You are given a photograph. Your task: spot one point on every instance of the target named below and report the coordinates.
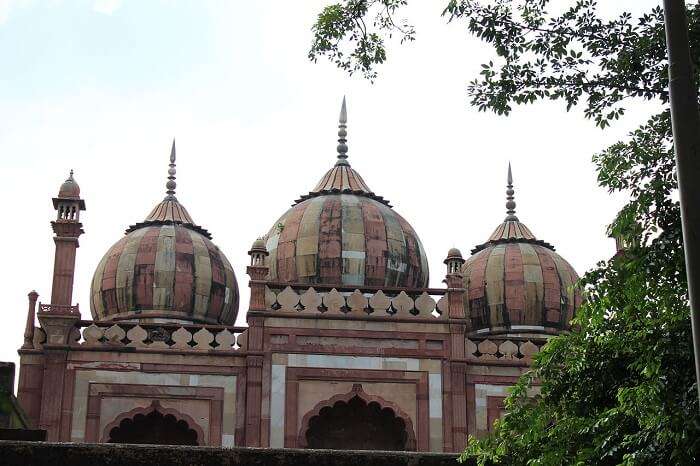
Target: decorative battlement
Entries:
(502, 349)
(159, 336)
(327, 301)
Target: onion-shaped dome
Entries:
(69, 189)
(516, 283)
(258, 246)
(343, 234)
(453, 254)
(165, 268)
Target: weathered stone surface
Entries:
(403, 304)
(529, 349)
(379, 303)
(159, 268)
(311, 300)
(357, 303)
(288, 300)
(203, 338)
(488, 349)
(92, 335)
(226, 340)
(425, 304)
(115, 334)
(52, 454)
(137, 336)
(334, 301)
(181, 338)
(508, 349)
(345, 239)
(270, 298)
(470, 348)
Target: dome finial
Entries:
(510, 200)
(342, 134)
(170, 185)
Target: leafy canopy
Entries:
(620, 388)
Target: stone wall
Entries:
(52, 454)
(11, 414)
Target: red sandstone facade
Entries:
(345, 345)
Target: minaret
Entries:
(510, 199)
(67, 228)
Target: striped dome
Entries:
(166, 268)
(346, 239)
(519, 286)
(516, 283)
(343, 234)
(168, 272)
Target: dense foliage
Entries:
(620, 388)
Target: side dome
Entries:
(166, 268)
(343, 234)
(69, 189)
(518, 284)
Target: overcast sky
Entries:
(103, 86)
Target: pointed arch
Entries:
(155, 406)
(357, 392)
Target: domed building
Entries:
(341, 233)
(166, 268)
(346, 345)
(516, 283)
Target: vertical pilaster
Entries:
(52, 392)
(459, 404)
(459, 325)
(254, 368)
(30, 386)
(58, 327)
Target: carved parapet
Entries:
(356, 302)
(194, 338)
(58, 309)
(502, 349)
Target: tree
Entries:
(620, 387)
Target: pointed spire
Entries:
(342, 134)
(171, 185)
(510, 200)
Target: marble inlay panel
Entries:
(84, 378)
(277, 406)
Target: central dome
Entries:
(343, 234)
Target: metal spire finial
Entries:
(171, 185)
(342, 134)
(510, 200)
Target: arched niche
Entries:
(357, 421)
(153, 425)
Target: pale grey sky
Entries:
(103, 86)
